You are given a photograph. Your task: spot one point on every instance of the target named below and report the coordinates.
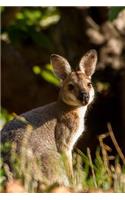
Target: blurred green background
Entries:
(29, 35)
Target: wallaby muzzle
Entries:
(83, 97)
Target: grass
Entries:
(104, 173)
(97, 175)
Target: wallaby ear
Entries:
(88, 62)
(60, 65)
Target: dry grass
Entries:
(98, 175)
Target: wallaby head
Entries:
(76, 87)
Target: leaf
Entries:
(47, 74)
(36, 69)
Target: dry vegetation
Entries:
(104, 173)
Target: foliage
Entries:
(114, 11)
(31, 26)
(46, 74)
(30, 23)
(4, 117)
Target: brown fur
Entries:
(56, 127)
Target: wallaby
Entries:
(58, 125)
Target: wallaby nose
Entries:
(83, 96)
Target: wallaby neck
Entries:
(71, 119)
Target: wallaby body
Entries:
(56, 127)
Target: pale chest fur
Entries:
(80, 112)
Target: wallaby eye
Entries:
(89, 84)
(70, 86)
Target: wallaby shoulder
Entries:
(36, 118)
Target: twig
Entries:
(104, 152)
(8, 173)
(92, 168)
(115, 143)
(92, 23)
